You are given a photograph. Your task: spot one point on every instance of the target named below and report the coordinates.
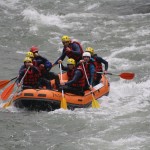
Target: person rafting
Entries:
(72, 49)
(76, 78)
(32, 76)
(44, 66)
(98, 65)
(89, 66)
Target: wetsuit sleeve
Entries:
(62, 57)
(21, 69)
(101, 60)
(76, 77)
(92, 72)
(21, 74)
(48, 65)
(64, 68)
(76, 49)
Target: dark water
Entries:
(119, 31)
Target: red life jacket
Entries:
(87, 68)
(70, 74)
(98, 67)
(35, 63)
(70, 55)
(81, 81)
(31, 78)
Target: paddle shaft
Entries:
(95, 103)
(61, 78)
(21, 82)
(86, 75)
(124, 75)
(9, 103)
(109, 73)
(13, 78)
(63, 103)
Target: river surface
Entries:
(119, 31)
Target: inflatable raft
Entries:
(49, 100)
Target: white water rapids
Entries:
(119, 31)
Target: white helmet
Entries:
(86, 54)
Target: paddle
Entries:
(95, 103)
(9, 103)
(124, 75)
(3, 83)
(7, 92)
(63, 103)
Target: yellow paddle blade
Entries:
(7, 104)
(63, 103)
(95, 103)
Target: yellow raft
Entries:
(43, 99)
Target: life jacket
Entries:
(35, 63)
(70, 55)
(87, 68)
(98, 67)
(70, 74)
(31, 78)
(37, 66)
(81, 81)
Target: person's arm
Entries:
(92, 72)
(62, 57)
(76, 77)
(48, 65)
(21, 68)
(64, 68)
(101, 60)
(43, 61)
(21, 74)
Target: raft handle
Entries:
(80, 100)
(28, 94)
(41, 95)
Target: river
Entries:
(119, 31)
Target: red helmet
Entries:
(34, 49)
